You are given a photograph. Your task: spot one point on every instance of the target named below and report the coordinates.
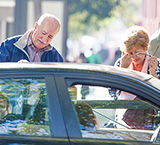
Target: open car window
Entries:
(23, 107)
(113, 114)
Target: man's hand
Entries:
(23, 60)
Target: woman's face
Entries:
(137, 58)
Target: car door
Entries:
(95, 102)
(30, 112)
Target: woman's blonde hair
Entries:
(135, 35)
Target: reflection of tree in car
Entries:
(5, 106)
(86, 116)
(38, 116)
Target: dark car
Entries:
(75, 104)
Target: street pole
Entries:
(20, 17)
(37, 9)
(65, 27)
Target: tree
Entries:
(86, 16)
(128, 11)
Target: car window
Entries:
(23, 107)
(113, 114)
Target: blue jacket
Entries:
(15, 48)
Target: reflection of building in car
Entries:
(139, 118)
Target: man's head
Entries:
(45, 30)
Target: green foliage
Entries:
(89, 16)
(86, 16)
(100, 8)
(128, 11)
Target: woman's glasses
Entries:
(138, 53)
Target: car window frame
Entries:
(107, 81)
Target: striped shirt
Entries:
(33, 54)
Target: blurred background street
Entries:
(91, 29)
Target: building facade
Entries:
(151, 15)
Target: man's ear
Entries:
(35, 26)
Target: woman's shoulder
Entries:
(159, 63)
(158, 69)
(118, 62)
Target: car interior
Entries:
(102, 114)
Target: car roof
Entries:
(80, 67)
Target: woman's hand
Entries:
(153, 62)
(125, 60)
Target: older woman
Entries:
(134, 52)
(135, 56)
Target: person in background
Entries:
(154, 47)
(135, 56)
(92, 57)
(34, 45)
(81, 58)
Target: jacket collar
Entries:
(22, 42)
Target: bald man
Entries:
(34, 45)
